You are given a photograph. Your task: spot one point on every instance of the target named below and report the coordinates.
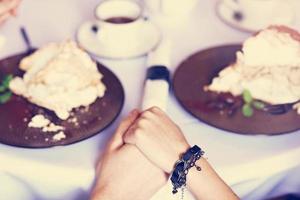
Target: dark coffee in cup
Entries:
(120, 20)
(118, 11)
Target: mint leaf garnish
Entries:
(5, 97)
(5, 94)
(247, 110)
(2, 88)
(6, 80)
(258, 105)
(247, 97)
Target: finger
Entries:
(156, 115)
(127, 122)
(160, 119)
(148, 115)
(156, 110)
(117, 139)
(138, 130)
(161, 114)
(130, 136)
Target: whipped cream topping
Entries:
(270, 48)
(268, 66)
(59, 77)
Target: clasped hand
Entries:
(139, 157)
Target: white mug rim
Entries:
(104, 20)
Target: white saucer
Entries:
(284, 17)
(146, 41)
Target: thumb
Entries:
(117, 139)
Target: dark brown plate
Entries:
(197, 71)
(14, 115)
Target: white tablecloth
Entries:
(256, 167)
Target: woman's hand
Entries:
(162, 142)
(8, 8)
(158, 138)
(124, 172)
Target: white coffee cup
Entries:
(262, 12)
(119, 21)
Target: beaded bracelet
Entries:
(182, 167)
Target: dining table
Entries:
(256, 167)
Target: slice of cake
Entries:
(268, 66)
(59, 77)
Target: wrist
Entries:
(194, 173)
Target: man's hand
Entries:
(124, 172)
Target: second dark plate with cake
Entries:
(223, 109)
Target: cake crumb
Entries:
(59, 136)
(74, 120)
(85, 109)
(38, 121)
(52, 128)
